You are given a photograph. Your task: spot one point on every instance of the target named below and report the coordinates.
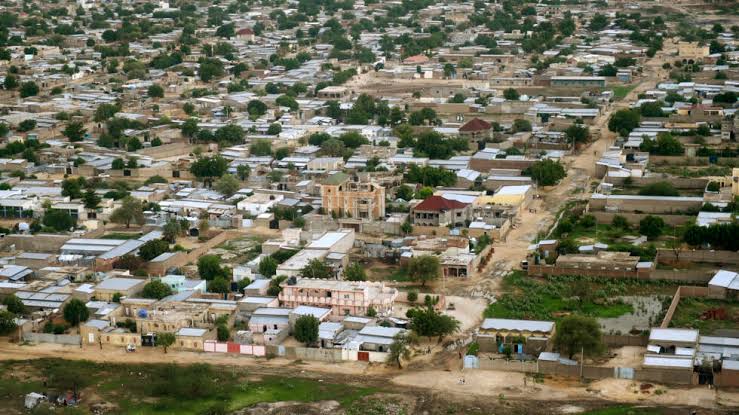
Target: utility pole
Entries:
(582, 360)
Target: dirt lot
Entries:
(478, 384)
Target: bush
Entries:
(620, 222)
(412, 296)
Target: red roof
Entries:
(475, 124)
(245, 31)
(438, 203)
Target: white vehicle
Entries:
(131, 348)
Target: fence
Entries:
(615, 340)
(666, 256)
(677, 182)
(213, 346)
(556, 368)
(52, 338)
(682, 291)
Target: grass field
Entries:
(121, 235)
(689, 311)
(161, 389)
(620, 92)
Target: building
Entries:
(343, 297)
(579, 81)
(360, 199)
(494, 333)
(99, 332)
(125, 287)
(438, 211)
(724, 284)
(476, 130)
(193, 338)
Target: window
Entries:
(346, 311)
(275, 326)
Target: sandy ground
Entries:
(627, 356)
(477, 382)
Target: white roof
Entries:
(513, 190)
(518, 325)
(726, 279)
(327, 240)
(118, 284)
(191, 332)
(673, 362)
(673, 335)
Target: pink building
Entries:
(343, 297)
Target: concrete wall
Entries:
(52, 338)
(677, 182)
(615, 340)
(509, 365)
(668, 376)
(166, 150)
(667, 256)
(634, 218)
(36, 243)
(682, 291)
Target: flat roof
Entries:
(673, 335)
(517, 325)
(117, 283)
(668, 362)
(327, 240)
(191, 332)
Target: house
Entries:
(246, 35)
(259, 203)
(320, 313)
(438, 211)
(193, 338)
(375, 338)
(360, 199)
(724, 284)
(578, 81)
(99, 332)
(476, 130)
(672, 349)
(495, 332)
(343, 297)
(125, 287)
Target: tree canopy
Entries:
(156, 290)
(424, 268)
(75, 312)
(306, 329)
(577, 334)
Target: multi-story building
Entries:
(343, 297)
(346, 197)
(438, 211)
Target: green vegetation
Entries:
(620, 92)
(158, 389)
(554, 297)
(690, 310)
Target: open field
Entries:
(554, 297)
(690, 310)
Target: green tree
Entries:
(156, 290)
(131, 210)
(91, 199)
(651, 109)
(243, 171)
(231, 134)
(155, 91)
(219, 285)
(268, 266)
(11, 82)
(426, 321)
(153, 248)
(306, 329)
(511, 94)
(209, 268)
(355, 272)
(424, 268)
(400, 348)
(165, 339)
(118, 164)
(58, 220)
(577, 334)
(29, 89)
(190, 127)
(664, 145)
(222, 333)
(624, 121)
(208, 168)
(261, 148)
(75, 312)
(577, 133)
(14, 304)
(7, 323)
(227, 185)
(256, 108)
(171, 230)
(74, 131)
(651, 226)
(26, 125)
(547, 172)
(274, 128)
(317, 268)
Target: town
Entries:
(366, 207)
